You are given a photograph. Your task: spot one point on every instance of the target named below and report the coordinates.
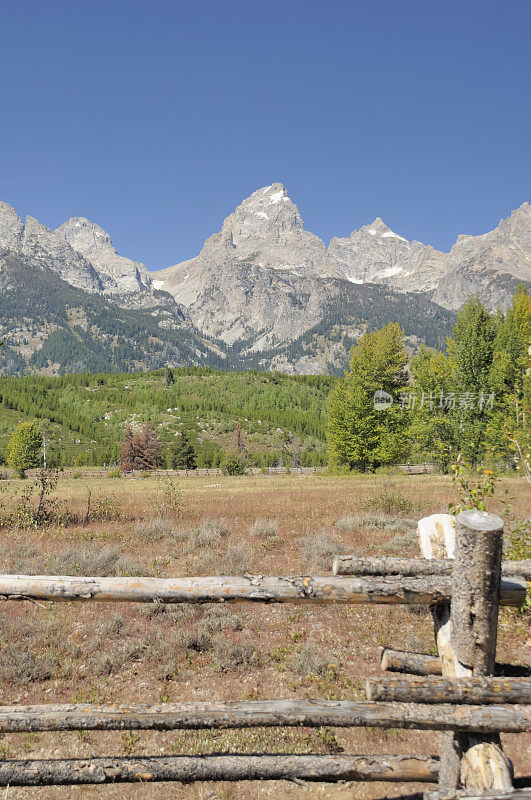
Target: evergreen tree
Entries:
(471, 353)
(141, 450)
(25, 448)
(239, 444)
(358, 433)
(180, 453)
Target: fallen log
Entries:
(264, 713)
(414, 663)
(474, 691)
(425, 664)
(255, 588)
(414, 567)
(187, 769)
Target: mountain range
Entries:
(263, 292)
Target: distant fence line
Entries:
(95, 472)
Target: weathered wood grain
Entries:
(268, 713)
(413, 567)
(491, 769)
(476, 582)
(187, 769)
(431, 689)
(425, 664)
(255, 588)
(414, 663)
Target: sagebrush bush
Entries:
(93, 561)
(310, 662)
(20, 666)
(154, 529)
(401, 543)
(230, 656)
(318, 550)
(370, 522)
(267, 528)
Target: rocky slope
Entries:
(263, 291)
(81, 253)
(241, 285)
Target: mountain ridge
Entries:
(262, 284)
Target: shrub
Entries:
(24, 448)
(102, 562)
(372, 522)
(230, 656)
(232, 465)
(402, 542)
(389, 503)
(318, 551)
(264, 528)
(107, 509)
(155, 529)
(198, 641)
(114, 473)
(309, 662)
(168, 498)
(20, 666)
(220, 618)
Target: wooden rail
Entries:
(425, 664)
(414, 567)
(467, 704)
(431, 689)
(253, 588)
(186, 769)
(265, 713)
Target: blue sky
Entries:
(156, 119)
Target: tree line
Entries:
(473, 399)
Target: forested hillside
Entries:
(51, 327)
(86, 415)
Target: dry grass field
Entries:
(139, 653)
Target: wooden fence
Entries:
(463, 692)
(103, 472)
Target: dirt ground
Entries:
(152, 653)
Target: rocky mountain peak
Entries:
(267, 214)
(83, 235)
(119, 275)
(380, 230)
(11, 226)
(267, 228)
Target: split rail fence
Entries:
(462, 692)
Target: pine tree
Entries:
(141, 450)
(25, 448)
(358, 434)
(180, 453)
(239, 444)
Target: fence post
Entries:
(478, 762)
(437, 540)
(474, 618)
